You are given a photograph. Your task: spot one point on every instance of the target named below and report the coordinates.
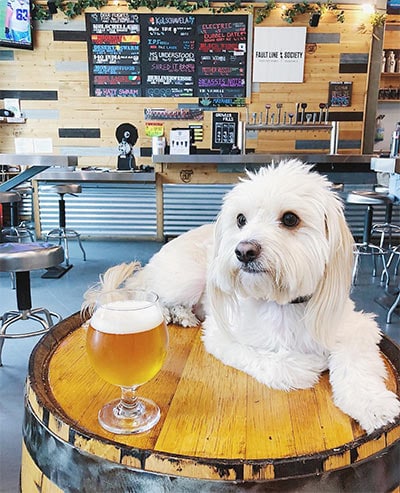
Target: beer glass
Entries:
(127, 343)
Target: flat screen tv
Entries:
(16, 24)
(393, 7)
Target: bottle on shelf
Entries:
(383, 66)
(391, 62)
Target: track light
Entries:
(314, 19)
(51, 5)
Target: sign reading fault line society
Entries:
(279, 54)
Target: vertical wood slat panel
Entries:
(55, 77)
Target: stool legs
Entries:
(41, 315)
(15, 231)
(367, 248)
(62, 233)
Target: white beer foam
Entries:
(126, 317)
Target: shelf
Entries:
(12, 119)
(390, 74)
(304, 126)
(388, 100)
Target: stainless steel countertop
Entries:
(38, 160)
(222, 159)
(95, 176)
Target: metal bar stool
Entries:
(62, 232)
(21, 258)
(366, 247)
(14, 232)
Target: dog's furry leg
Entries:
(357, 375)
(283, 370)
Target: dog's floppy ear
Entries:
(326, 306)
(221, 293)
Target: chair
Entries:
(15, 231)
(22, 258)
(62, 232)
(366, 247)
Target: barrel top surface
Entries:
(23, 257)
(213, 417)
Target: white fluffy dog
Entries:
(272, 279)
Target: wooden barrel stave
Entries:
(71, 454)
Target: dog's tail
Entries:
(111, 279)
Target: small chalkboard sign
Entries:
(168, 55)
(340, 93)
(224, 129)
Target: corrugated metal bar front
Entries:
(112, 210)
(188, 206)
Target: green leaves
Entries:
(72, 9)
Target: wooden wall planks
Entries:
(52, 84)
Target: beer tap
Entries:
(296, 115)
(284, 117)
(321, 111)
(254, 118)
(279, 107)
(303, 112)
(290, 115)
(272, 118)
(267, 108)
(326, 113)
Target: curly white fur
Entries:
(285, 315)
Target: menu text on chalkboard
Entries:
(161, 55)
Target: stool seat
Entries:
(14, 231)
(21, 258)
(368, 198)
(9, 197)
(70, 188)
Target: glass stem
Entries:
(129, 406)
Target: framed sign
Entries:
(340, 93)
(278, 54)
(224, 129)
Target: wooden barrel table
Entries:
(220, 430)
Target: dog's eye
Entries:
(290, 219)
(241, 220)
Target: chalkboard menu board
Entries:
(161, 55)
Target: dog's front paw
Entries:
(291, 371)
(375, 411)
(183, 316)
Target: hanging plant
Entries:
(377, 20)
(72, 9)
(290, 13)
(264, 12)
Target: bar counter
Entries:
(182, 192)
(79, 176)
(254, 158)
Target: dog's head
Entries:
(281, 236)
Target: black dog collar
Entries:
(301, 299)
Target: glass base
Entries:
(117, 420)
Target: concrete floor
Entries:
(64, 296)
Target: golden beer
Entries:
(125, 349)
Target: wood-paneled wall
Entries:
(52, 83)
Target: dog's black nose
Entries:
(247, 251)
